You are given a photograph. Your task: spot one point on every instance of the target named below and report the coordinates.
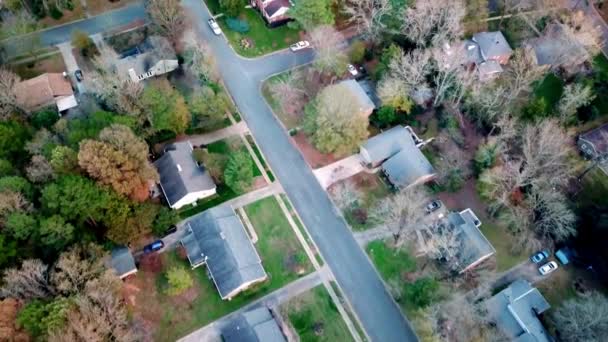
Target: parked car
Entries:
(78, 74)
(214, 27)
(563, 255)
(434, 205)
(154, 246)
(171, 230)
(539, 256)
(353, 70)
(548, 268)
(299, 46)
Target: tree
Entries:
(422, 292)
(164, 219)
(179, 280)
(451, 79)
(21, 225)
(167, 16)
(402, 213)
(64, 160)
(575, 95)
(312, 13)
(583, 318)
(238, 174)
(38, 317)
(551, 215)
(17, 184)
(432, 22)
(11, 201)
(8, 250)
(13, 136)
(17, 23)
(487, 103)
(406, 76)
(8, 97)
(6, 168)
(330, 57)
(76, 267)
(232, 8)
(445, 245)
(166, 109)
(43, 142)
(215, 163)
(523, 71)
(289, 92)
(369, 16)
(357, 51)
(84, 43)
(199, 60)
(209, 108)
(345, 195)
(123, 139)
(334, 122)
(39, 170)
(28, 282)
(55, 232)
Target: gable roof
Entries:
(475, 245)
(180, 174)
(516, 309)
(274, 6)
(549, 48)
(365, 102)
(42, 90)
(217, 237)
(256, 325)
(386, 144)
(122, 262)
(407, 166)
(492, 44)
(597, 138)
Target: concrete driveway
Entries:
(359, 280)
(339, 170)
(71, 64)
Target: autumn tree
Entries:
(167, 16)
(76, 267)
(330, 57)
(583, 318)
(432, 22)
(8, 97)
(312, 13)
(334, 122)
(165, 107)
(179, 280)
(575, 95)
(30, 281)
(238, 174)
(369, 16)
(402, 213)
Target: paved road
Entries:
(359, 280)
(108, 21)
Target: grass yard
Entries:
(502, 241)
(550, 88)
(559, 287)
(263, 39)
(68, 16)
(391, 263)
(282, 254)
(258, 153)
(229, 146)
(50, 63)
(315, 317)
(289, 121)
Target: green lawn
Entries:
(391, 263)
(263, 39)
(551, 89)
(282, 254)
(288, 121)
(502, 241)
(314, 317)
(258, 153)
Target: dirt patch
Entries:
(152, 263)
(466, 197)
(313, 157)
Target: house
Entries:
(396, 152)
(46, 90)
(365, 102)
(273, 11)
(217, 238)
(257, 325)
(183, 181)
(594, 145)
(475, 247)
(122, 262)
(141, 66)
(556, 48)
(516, 309)
(487, 51)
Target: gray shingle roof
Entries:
(218, 238)
(492, 44)
(516, 309)
(256, 325)
(122, 261)
(180, 173)
(475, 244)
(386, 144)
(407, 166)
(365, 102)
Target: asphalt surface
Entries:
(380, 316)
(108, 21)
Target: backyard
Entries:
(314, 317)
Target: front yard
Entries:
(314, 317)
(50, 63)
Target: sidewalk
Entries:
(208, 138)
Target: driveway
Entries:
(71, 64)
(108, 21)
(339, 170)
(359, 280)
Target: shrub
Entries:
(238, 174)
(179, 280)
(422, 293)
(385, 116)
(55, 12)
(45, 118)
(237, 25)
(357, 52)
(537, 108)
(485, 157)
(84, 43)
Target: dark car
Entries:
(434, 205)
(539, 256)
(154, 246)
(171, 230)
(78, 74)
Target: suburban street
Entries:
(359, 280)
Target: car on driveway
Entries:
(170, 230)
(352, 69)
(548, 268)
(539, 256)
(154, 246)
(214, 26)
(78, 74)
(303, 44)
(434, 205)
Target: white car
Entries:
(353, 70)
(214, 27)
(299, 46)
(548, 268)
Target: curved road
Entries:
(359, 280)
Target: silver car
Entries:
(214, 27)
(548, 268)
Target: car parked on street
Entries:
(539, 256)
(214, 26)
(548, 268)
(154, 246)
(299, 46)
(434, 205)
(352, 69)
(78, 74)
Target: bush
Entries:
(485, 157)
(55, 12)
(357, 51)
(385, 116)
(6, 168)
(454, 180)
(536, 109)
(164, 219)
(45, 118)
(238, 174)
(84, 43)
(237, 25)
(422, 293)
(179, 280)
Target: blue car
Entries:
(540, 256)
(154, 246)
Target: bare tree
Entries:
(407, 74)
(200, 61)
(584, 318)
(8, 98)
(39, 170)
(369, 16)
(11, 201)
(575, 95)
(17, 23)
(551, 215)
(167, 16)
(402, 213)
(76, 267)
(345, 194)
(161, 48)
(445, 245)
(522, 72)
(431, 22)
(330, 57)
(487, 103)
(452, 79)
(289, 92)
(28, 282)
